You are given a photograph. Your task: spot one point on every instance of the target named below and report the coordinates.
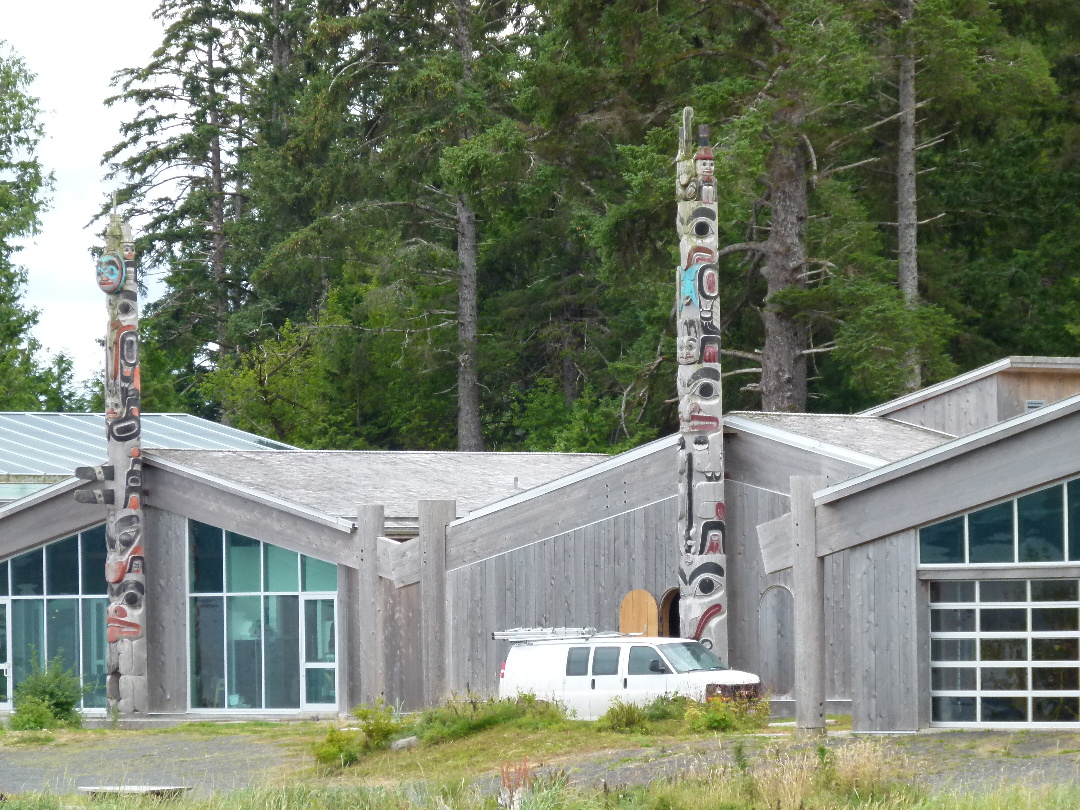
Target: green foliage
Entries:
(376, 725)
(458, 718)
(665, 707)
(623, 716)
(727, 714)
(48, 697)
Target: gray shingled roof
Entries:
(335, 482)
(872, 435)
(35, 444)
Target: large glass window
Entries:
(1039, 527)
(1005, 651)
(53, 598)
(253, 644)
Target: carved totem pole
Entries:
(121, 489)
(702, 563)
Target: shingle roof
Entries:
(884, 439)
(33, 444)
(335, 482)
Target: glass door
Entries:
(5, 663)
(320, 652)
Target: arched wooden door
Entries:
(638, 613)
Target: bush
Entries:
(623, 717)
(47, 698)
(376, 726)
(728, 714)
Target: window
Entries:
(52, 604)
(641, 659)
(262, 624)
(1005, 651)
(1038, 527)
(605, 661)
(577, 661)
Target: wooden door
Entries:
(638, 614)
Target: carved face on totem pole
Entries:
(702, 599)
(110, 272)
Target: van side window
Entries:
(577, 661)
(640, 657)
(605, 661)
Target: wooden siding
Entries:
(769, 464)
(1016, 387)
(166, 539)
(1028, 459)
(888, 639)
(576, 578)
(610, 492)
(46, 520)
(959, 412)
(403, 670)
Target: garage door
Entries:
(1005, 652)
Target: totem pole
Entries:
(121, 490)
(702, 561)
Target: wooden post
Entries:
(366, 659)
(809, 576)
(435, 516)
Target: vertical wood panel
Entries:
(167, 612)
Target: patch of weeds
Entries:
(727, 714)
(665, 707)
(458, 718)
(622, 717)
(28, 738)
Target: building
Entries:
(932, 545)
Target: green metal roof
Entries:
(34, 444)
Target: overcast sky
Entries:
(74, 47)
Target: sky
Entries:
(74, 47)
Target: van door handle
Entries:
(594, 683)
(624, 683)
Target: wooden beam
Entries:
(435, 516)
(809, 592)
(365, 656)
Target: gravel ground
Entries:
(205, 764)
(967, 760)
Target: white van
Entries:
(585, 671)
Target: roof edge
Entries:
(655, 446)
(1017, 362)
(333, 521)
(949, 450)
(746, 425)
(34, 498)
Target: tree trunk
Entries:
(783, 363)
(218, 269)
(470, 435)
(907, 216)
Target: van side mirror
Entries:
(656, 666)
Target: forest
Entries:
(450, 224)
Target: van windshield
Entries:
(690, 656)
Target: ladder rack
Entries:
(542, 633)
(549, 633)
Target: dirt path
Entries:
(969, 760)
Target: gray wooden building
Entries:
(932, 545)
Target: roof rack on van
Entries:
(542, 633)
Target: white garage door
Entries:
(1005, 652)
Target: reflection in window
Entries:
(1041, 526)
(990, 534)
(942, 543)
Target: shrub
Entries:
(47, 698)
(623, 717)
(376, 726)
